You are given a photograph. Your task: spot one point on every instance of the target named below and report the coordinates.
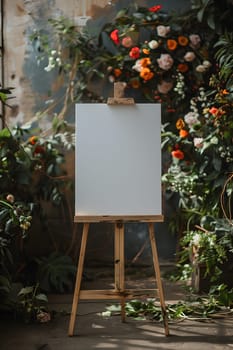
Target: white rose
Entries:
(189, 56)
(191, 118)
(198, 142)
(111, 79)
(206, 64)
(163, 30)
(165, 61)
(200, 68)
(153, 44)
(137, 66)
(214, 140)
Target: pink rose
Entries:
(127, 42)
(165, 61)
(198, 142)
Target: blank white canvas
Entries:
(118, 159)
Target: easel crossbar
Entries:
(115, 294)
(118, 218)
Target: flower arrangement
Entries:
(148, 50)
(201, 151)
(160, 57)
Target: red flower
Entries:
(115, 37)
(134, 52)
(177, 154)
(39, 149)
(155, 8)
(33, 140)
(213, 110)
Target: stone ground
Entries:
(93, 331)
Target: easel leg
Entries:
(158, 277)
(78, 279)
(120, 264)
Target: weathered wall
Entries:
(20, 17)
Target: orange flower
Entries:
(171, 44)
(117, 72)
(224, 92)
(180, 124)
(135, 83)
(183, 133)
(33, 140)
(177, 154)
(182, 40)
(146, 74)
(146, 51)
(145, 62)
(182, 67)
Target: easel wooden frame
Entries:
(119, 292)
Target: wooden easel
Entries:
(119, 292)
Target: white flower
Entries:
(196, 239)
(111, 79)
(191, 118)
(189, 56)
(153, 44)
(164, 87)
(163, 30)
(10, 198)
(206, 64)
(137, 66)
(200, 68)
(214, 140)
(198, 142)
(195, 41)
(165, 61)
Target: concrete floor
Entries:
(93, 331)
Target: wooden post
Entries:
(78, 278)
(157, 276)
(119, 261)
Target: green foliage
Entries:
(32, 305)
(5, 94)
(217, 303)
(31, 171)
(56, 272)
(217, 14)
(224, 56)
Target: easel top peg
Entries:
(119, 98)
